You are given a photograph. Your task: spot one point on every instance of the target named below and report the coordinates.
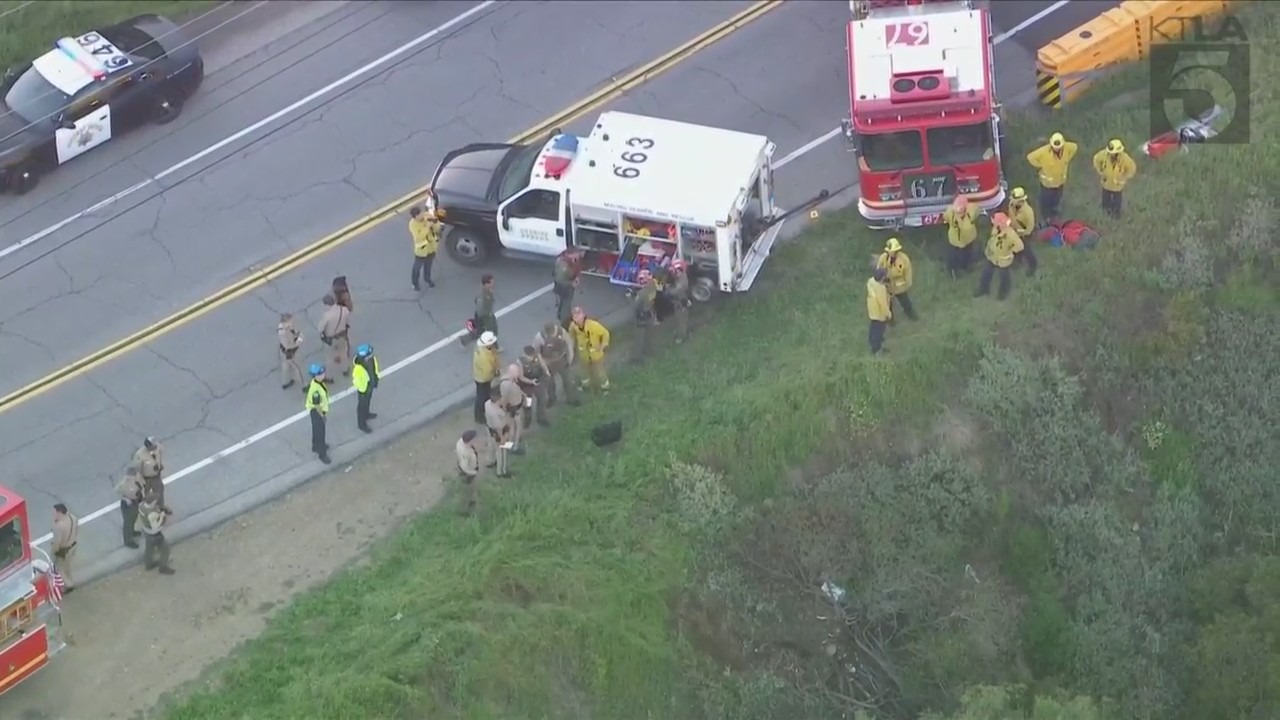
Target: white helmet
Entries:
(488, 339)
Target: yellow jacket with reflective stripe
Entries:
(1053, 168)
(591, 337)
(318, 397)
(962, 228)
(1022, 217)
(899, 268)
(484, 365)
(878, 301)
(1114, 173)
(1002, 246)
(360, 376)
(426, 236)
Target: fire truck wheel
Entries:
(702, 289)
(466, 248)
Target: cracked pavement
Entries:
(213, 381)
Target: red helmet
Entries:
(678, 265)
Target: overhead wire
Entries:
(13, 10)
(265, 136)
(143, 66)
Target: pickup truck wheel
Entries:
(23, 178)
(466, 248)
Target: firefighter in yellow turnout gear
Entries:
(1052, 161)
(591, 338)
(365, 373)
(961, 220)
(879, 311)
(1023, 221)
(897, 267)
(424, 228)
(1115, 169)
(1003, 245)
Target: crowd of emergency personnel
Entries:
(1011, 237)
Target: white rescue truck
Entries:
(636, 193)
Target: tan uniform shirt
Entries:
(148, 462)
(336, 321)
(130, 487)
(66, 532)
(468, 458)
(496, 418)
(289, 336)
(557, 349)
(150, 520)
(511, 394)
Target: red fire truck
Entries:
(924, 120)
(30, 616)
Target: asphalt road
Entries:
(211, 383)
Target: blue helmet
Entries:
(364, 350)
(316, 369)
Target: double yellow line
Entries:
(615, 89)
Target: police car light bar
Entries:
(558, 158)
(86, 61)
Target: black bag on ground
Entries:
(607, 433)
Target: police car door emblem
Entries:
(85, 135)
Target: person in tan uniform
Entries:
(149, 462)
(468, 469)
(514, 402)
(130, 489)
(290, 340)
(335, 331)
(153, 516)
(534, 379)
(501, 425)
(66, 532)
(555, 347)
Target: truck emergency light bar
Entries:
(86, 61)
(919, 87)
(965, 104)
(558, 158)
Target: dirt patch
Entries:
(706, 623)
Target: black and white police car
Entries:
(88, 89)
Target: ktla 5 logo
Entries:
(1197, 64)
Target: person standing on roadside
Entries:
(499, 422)
(677, 290)
(335, 331)
(1023, 221)
(567, 277)
(1052, 161)
(486, 306)
(1003, 245)
(290, 340)
(153, 516)
(646, 315)
(879, 309)
(317, 407)
(424, 229)
(468, 469)
(514, 401)
(962, 231)
(66, 533)
(1115, 169)
(897, 266)
(364, 378)
(555, 347)
(535, 376)
(131, 490)
(591, 339)
(149, 460)
(486, 365)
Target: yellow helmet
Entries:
(893, 246)
(1018, 194)
(1056, 141)
(1115, 147)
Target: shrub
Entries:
(704, 502)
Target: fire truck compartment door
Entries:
(23, 658)
(753, 261)
(533, 222)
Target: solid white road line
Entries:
(237, 136)
(447, 341)
(1030, 21)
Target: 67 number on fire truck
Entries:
(924, 120)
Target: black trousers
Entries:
(363, 412)
(564, 304)
(1006, 281)
(1111, 202)
(482, 396)
(875, 335)
(904, 299)
(1050, 202)
(960, 259)
(1028, 256)
(129, 516)
(318, 444)
(422, 267)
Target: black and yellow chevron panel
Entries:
(1049, 89)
